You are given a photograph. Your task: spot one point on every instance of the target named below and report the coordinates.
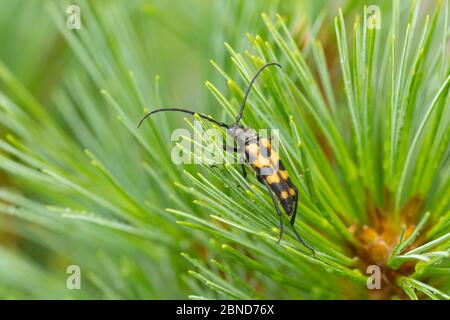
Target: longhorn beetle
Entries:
(261, 156)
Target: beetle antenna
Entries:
(241, 111)
(221, 124)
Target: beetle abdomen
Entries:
(266, 163)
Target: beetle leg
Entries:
(244, 173)
(274, 200)
(294, 212)
(292, 221)
(300, 239)
(235, 149)
(260, 179)
(229, 148)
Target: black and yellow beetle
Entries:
(262, 157)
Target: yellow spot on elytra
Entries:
(256, 164)
(291, 191)
(252, 148)
(265, 143)
(263, 161)
(274, 178)
(284, 195)
(284, 174)
(274, 157)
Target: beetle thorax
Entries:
(243, 135)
